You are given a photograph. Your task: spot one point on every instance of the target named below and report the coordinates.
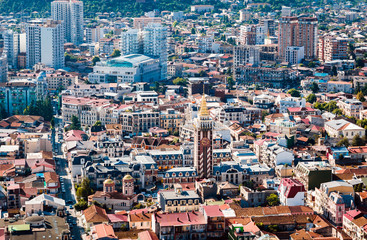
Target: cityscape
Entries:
(183, 120)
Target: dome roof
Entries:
(108, 181)
(127, 177)
(34, 219)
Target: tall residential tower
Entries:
(71, 13)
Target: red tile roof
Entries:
(293, 187)
(180, 219)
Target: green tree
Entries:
(95, 59)
(180, 81)
(75, 123)
(230, 82)
(84, 190)
(315, 87)
(174, 24)
(357, 141)
(272, 200)
(193, 30)
(41, 108)
(360, 96)
(311, 98)
(81, 205)
(334, 71)
(359, 63)
(294, 93)
(344, 142)
(98, 124)
(81, 193)
(116, 53)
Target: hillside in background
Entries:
(126, 7)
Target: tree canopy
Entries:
(272, 200)
(41, 108)
(311, 98)
(75, 124)
(116, 53)
(294, 92)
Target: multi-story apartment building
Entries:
(276, 77)
(155, 45)
(312, 174)
(300, 32)
(246, 54)
(252, 35)
(12, 47)
(138, 122)
(283, 126)
(333, 199)
(3, 68)
(269, 26)
(354, 224)
(351, 107)
(16, 95)
(142, 22)
(45, 44)
(228, 113)
(332, 48)
(179, 200)
(131, 42)
(129, 68)
(71, 13)
(294, 55)
(86, 109)
(171, 120)
(167, 159)
(55, 80)
(94, 34)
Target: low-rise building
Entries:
(291, 192)
(341, 127)
(179, 200)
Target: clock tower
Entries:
(203, 141)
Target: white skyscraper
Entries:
(131, 42)
(12, 47)
(71, 13)
(45, 44)
(155, 45)
(33, 52)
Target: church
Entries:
(113, 199)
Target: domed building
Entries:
(113, 199)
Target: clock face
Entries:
(205, 142)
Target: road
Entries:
(68, 195)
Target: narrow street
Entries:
(68, 194)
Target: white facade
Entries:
(13, 42)
(285, 103)
(294, 55)
(286, 11)
(131, 42)
(291, 193)
(129, 68)
(155, 45)
(33, 32)
(45, 44)
(246, 54)
(71, 13)
(52, 45)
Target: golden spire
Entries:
(204, 112)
